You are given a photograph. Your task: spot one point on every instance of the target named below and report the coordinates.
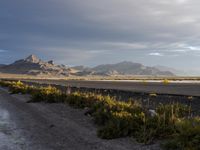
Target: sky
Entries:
(92, 32)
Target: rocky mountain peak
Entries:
(32, 58)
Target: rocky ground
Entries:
(31, 126)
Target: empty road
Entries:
(190, 89)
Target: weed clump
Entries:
(187, 136)
(165, 81)
(47, 94)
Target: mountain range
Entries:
(32, 65)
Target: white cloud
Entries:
(179, 50)
(182, 1)
(193, 48)
(126, 45)
(156, 54)
(96, 51)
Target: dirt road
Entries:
(39, 126)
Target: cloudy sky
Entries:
(91, 32)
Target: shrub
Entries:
(48, 94)
(120, 124)
(170, 112)
(18, 87)
(152, 94)
(81, 100)
(187, 136)
(108, 106)
(165, 81)
(5, 83)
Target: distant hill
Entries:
(82, 70)
(174, 71)
(2, 65)
(129, 68)
(32, 65)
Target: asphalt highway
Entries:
(190, 89)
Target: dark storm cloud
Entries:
(77, 31)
